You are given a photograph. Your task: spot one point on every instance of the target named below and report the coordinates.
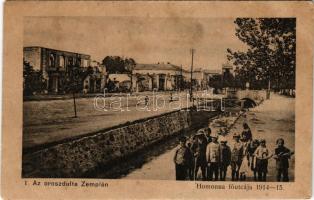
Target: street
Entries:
(271, 120)
(52, 120)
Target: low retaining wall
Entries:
(78, 157)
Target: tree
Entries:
(114, 64)
(33, 80)
(270, 56)
(74, 80)
(118, 65)
(215, 82)
(228, 79)
(129, 66)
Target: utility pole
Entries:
(74, 103)
(268, 89)
(181, 80)
(191, 85)
(177, 82)
(74, 84)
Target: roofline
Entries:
(157, 64)
(175, 66)
(56, 50)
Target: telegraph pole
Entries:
(181, 80)
(74, 103)
(191, 85)
(268, 89)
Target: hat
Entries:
(200, 132)
(236, 135)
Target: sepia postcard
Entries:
(157, 99)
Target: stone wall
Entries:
(32, 56)
(78, 157)
(257, 96)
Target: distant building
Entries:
(209, 73)
(162, 77)
(158, 76)
(121, 82)
(95, 81)
(55, 67)
(226, 68)
(201, 77)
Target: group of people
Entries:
(210, 153)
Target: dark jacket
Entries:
(247, 133)
(199, 150)
(251, 149)
(237, 152)
(282, 156)
(225, 155)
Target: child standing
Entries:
(244, 170)
(252, 160)
(180, 159)
(282, 156)
(262, 155)
(236, 157)
(225, 158)
(246, 133)
(213, 157)
(190, 161)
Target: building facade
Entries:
(56, 66)
(201, 78)
(227, 68)
(160, 77)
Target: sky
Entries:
(145, 39)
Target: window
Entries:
(85, 63)
(61, 61)
(79, 62)
(70, 61)
(51, 60)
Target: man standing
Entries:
(225, 158)
(213, 157)
(199, 150)
(180, 159)
(236, 157)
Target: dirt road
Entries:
(272, 119)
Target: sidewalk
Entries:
(274, 118)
